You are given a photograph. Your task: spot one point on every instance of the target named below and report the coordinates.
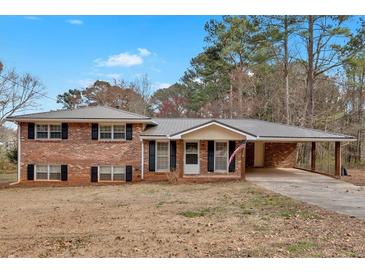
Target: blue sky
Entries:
(67, 52)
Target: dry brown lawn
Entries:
(233, 219)
(357, 177)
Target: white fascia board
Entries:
(82, 120)
(178, 136)
(271, 139)
(154, 137)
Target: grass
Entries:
(301, 247)
(160, 220)
(7, 178)
(195, 213)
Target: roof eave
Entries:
(81, 120)
(306, 139)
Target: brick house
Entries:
(105, 145)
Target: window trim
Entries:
(48, 131)
(168, 157)
(48, 172)
(112, 132)
(112, 173)
(215, 155)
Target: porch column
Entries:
(313, 156)
(337, 159)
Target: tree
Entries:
(70, 99)
(17, 92)
(170, 102)
(325, 39)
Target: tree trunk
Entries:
(310, 72)
(286, 68)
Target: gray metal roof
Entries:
(166, 127)
(257, 128)
(93, 112)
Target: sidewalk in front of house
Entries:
(320, 190)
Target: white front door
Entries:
(191, 159)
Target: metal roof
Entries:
(169, 127)
(83, 113)
(258, 128)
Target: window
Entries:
(105, 132)
(118, 132)
(191, 154)
(55, 172)
(55, 131)
(48, 172)
(112, 132)
(42, 131)
(111, 173)
(162, 156)
(48, 131)
(221, 156)
(118, 173)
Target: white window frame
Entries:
(48, 172)
(168, 156)
(112, 137)
(112, 173)
(48, 131)
(215, 155)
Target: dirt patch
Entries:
(356, 177)
(159, 220)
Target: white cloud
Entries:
(34, 18)
(158, 85)
(144, 52)
(75, 22)
(124, 59)
(82, 83)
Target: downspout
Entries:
(142, 160)
(19, 153)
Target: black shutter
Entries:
(232, 147)
(172, 155)
(128, 173)
(30, 172)
(31, 130)
(64, 131)
(129, 132)
(94, 174)
(64, 173)
(151, 156)
(210, 156)
(94, 131)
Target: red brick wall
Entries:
(203, 146)
(79, 152)
(280, 154)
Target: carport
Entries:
(313, 188)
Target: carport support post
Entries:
(338, 159)
(313, 157)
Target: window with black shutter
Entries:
(64, 131)
(94, 131)
(128, 173)
(151, 156)
(129, 131)
(211, 156)
(232, 147)
(31, 127)
(64, 173)
(30, 172)
(94, 174)
(172, 155)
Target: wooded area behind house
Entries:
(299, 70)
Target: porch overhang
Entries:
(214, 126)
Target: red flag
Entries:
(240, 147)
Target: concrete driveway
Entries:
(312, 188)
